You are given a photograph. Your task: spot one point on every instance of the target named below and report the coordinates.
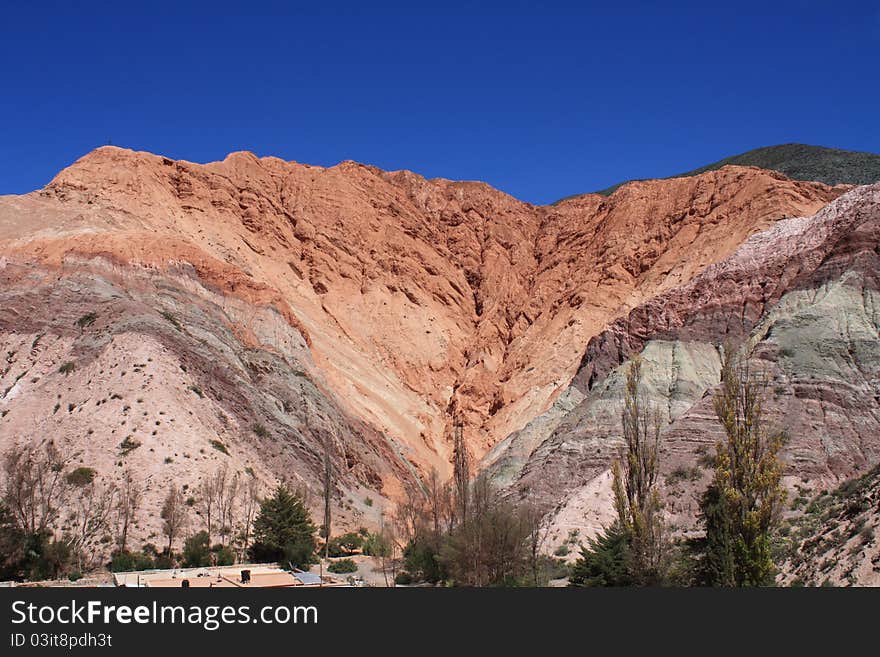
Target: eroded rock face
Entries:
(409, 304)
(803, 297)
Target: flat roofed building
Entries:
(239, 576)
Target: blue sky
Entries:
(541, 100)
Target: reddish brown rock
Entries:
(410, 304)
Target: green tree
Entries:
(605, 561)
(742, 505)
(636, 499)
(422, 558)
(283, 530)
(376, 545)
(350, 542)
(12, 541)
(197, 550)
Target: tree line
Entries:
(62, 521)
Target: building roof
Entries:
(307, 578)
(261, 576)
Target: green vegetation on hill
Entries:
(799, 162)
(834, 532)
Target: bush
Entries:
(223, 555)
(123, 561)
(422, 559)
(219, 446)
(67, 368)
(128, 445)
(682, 473)
(350, 542)
(343, 566)
(260, 430)
(403, 579)
(172, 319)
(335, 549)
(86, 320)
(81, 476)
(376, 545)
(197, 551)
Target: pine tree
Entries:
(283, 530)
(742, 504)
(605, 561)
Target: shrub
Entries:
(260, 430)
(706, 461)
(403, 579)
(343, 566)
(67, 368)
(122, 561)
(219, 446)
(422, 558)
(196, 550)
(350, 542)
(376, 545)
(682, 473)
(81, 476)
(223, 555)
(86, 320)
(334, 549)
(172, 319)
(128, 445)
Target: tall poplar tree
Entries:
(742, 505)
(636, 498)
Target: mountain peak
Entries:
(805, 162)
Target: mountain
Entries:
(831, 166)
(803, 296)
(168, 317)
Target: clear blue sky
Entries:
(541, 100)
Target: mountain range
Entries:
(167, 317)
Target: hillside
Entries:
(802, 296)
(834, 540)
(169, 317)
(831, 166)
